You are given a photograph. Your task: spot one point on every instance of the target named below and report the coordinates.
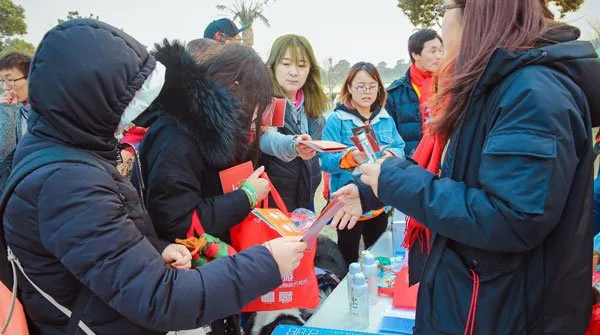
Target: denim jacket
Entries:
(339, 128)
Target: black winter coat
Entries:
(512, 210)
(76, 227)
(195, 134)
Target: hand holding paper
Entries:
(260, 184)
(304, 151)
(324, 146)
(327, 214)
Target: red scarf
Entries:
(428, 153)
(133, 137)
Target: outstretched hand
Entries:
(347, 217)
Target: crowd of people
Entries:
(486, 145)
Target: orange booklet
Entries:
(232, 178)
(325, 146)
(277, 221)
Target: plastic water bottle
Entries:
(360, 301)
(367, 149)
(353, 269)
(398, 233)
(369, 268)
(362, 255)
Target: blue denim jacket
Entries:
(339, 128)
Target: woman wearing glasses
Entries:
(509, 217)
(14, 100)
(361, 102)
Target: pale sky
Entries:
(365, 30)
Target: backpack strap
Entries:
(24, 168)
(79, 305)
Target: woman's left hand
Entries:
(370, 175)
(177, 256)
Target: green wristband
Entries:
(251, 192)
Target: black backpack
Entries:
(10, 177)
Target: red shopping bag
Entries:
(405, 296)
(299, 289)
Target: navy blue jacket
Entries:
(403, 105)
(74, 225)
(513, 203)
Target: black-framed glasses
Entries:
(365, 89)
(10, 82)
(441, 9)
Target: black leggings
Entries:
(370, 230)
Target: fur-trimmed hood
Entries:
(203, 110)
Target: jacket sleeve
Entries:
(368, 199)
(173, 199)
(278, 145)
(84, 224)
(330, 161)
(527, 166)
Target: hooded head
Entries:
(86, 81)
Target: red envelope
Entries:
(404, 296)
(232, 178)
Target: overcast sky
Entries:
(355, 30)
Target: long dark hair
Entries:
(487, 24)
(242, 71)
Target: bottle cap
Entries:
(369, 259)
(359, 279)
(354, 268)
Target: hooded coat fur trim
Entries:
(203, 110)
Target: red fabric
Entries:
(428, 153)
(133, 137)
(423, 80)
(594, 327)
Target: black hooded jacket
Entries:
(73, 225)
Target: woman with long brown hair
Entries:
(508, 216)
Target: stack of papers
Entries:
(282, 224)
(277, 221)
